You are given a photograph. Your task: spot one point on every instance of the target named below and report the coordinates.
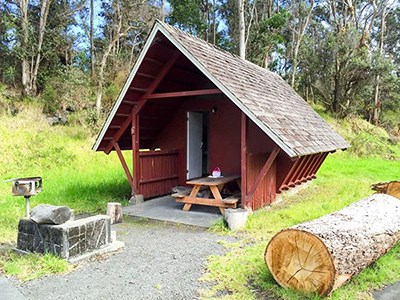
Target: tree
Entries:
(125, 27)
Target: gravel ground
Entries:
(160, 261)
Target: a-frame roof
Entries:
(261, 94)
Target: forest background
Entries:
(73, 56)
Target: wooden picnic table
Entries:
(215, 185)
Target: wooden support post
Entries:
(323, 157)
(314, 163)
(263, 172)
(306, 175)
(124, 165)
(285, 182)
(300, 177)
(243, 169)
(135, 151)
(298, 170)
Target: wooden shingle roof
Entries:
(267, 97)
(261, 94)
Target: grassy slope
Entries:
(343, 179)
(72, 173)
(75, 176)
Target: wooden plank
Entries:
(135, 150)
(143, 181)
(306, 174)
(243, 157)
(137, 89)
(262, 174)
(324, 156)
(286, 181)
(309, 174)
(142, 101)
(145, 75)
(292, 180)
(205, 201)
(124, 165)
(300, 176)
(209, 181)
(184, 93)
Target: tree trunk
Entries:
(377, 102)
(242, 32)
(44, 12)
(321, 255)
(26, 78)
(91, 33)
(163, 10)
(299, 37)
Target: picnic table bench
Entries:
(209, 184)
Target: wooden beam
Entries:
(156, 82)
(121, 115)
(263, 172)
(135, 151)
(142, 101)
(300, 176)
(127, 102)
(185, 94)
(137, 89)
(123, 162)
(299, 168)
(243, 163)
(307, 173)
(318, 165)
(145, 75)
(313, 165)
(285, 182)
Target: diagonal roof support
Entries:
(262, 174)
(142, 101)
(123, 162)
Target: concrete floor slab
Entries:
(167, 209)
(391, 292)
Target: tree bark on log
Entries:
(321, 255)
(391, 188)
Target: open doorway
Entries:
(197, 144)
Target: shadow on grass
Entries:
(87, 196)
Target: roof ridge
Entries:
(190, 36)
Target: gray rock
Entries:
(67, 240)
(50, 214)
(114, 211)
(136, 199)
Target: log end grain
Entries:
(300, 260)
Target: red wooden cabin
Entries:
(188, 107)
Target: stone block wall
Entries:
(67, 240)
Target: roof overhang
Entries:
(159, 28)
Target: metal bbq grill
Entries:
(26, 187)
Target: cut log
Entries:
(321, 255)
(391, 188)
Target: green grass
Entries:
(73, 174)
(343, 179)
(77, 177)
(32, 266)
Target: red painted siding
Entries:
(158, 172)
(266, 192)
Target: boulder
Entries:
(50, 214)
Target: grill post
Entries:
(27, 206)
